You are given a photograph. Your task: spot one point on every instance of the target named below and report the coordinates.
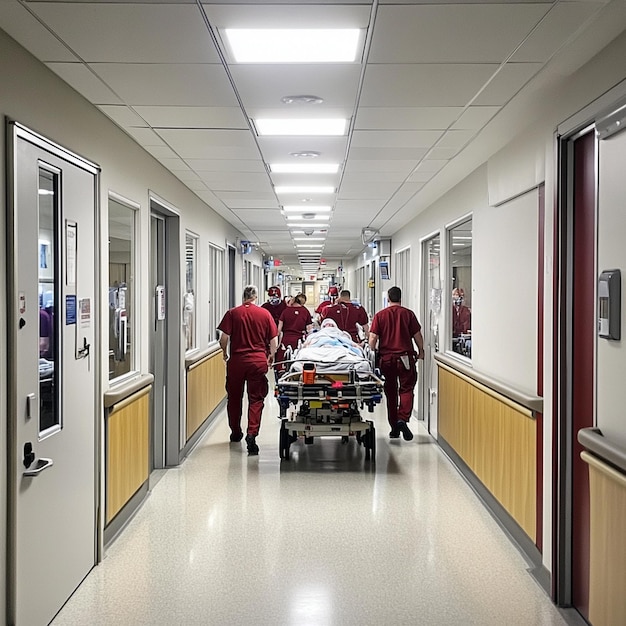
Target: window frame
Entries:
(190, 235)
(132, 294)
(217, 288)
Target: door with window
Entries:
(52, 382)
(431, 298)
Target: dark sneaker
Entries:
(235, 437)
(253, 449)
(395, 432)
(403, 427)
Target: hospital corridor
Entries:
(324, 539)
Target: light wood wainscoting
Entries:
(128, 439)
(496, 438)
(607, 567)
(206, 388)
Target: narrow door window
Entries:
(48, 214)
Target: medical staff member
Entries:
(294, 323)
(348, 315)
(248, 339)
(274, 305)
(333, 294)
(393, 331)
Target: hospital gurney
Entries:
(327, 381)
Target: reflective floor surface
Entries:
(325, 539)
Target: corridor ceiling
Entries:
(435, 89)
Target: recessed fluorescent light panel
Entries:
(295, 189)
(293, 45)
(335, 126)
(306, 225)
(308, 238)
(304, 168)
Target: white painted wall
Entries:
(611, 415)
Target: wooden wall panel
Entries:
(128, 440)
(496, 440)
(607, 568)
(205, 390)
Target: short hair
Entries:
(345, 293)
(300, 298)
(250, 292)
(394, 294)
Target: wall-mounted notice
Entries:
(71, 233)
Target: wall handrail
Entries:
(199, 356)
(514, 397)
(603, 448)
(123, 391)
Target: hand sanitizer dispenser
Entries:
(609, 304)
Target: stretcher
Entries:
(325, 385)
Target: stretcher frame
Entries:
(328, 407)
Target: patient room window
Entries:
(460, 294)
(189, 305)
(121, 288)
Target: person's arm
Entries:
(280, 331)
(419, 341)
(273, 348)
(224, 339)
(372, 340)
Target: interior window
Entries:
(121, 288)
(460, 264)
(189, 308)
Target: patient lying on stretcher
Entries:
(332, 350)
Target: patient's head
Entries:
(328, 323)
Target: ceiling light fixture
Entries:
(309, 238)
(307, 225)
(293, 45)
(302, 189)
(304, 168)
(305, 154)
(290, 126)
(301, 100)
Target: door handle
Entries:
(39, 467)
(31, 399)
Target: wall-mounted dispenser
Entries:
(610, 304)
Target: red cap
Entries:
(333, 291)
(273, 291)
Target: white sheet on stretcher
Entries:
(332, 350)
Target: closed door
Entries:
(52, 317)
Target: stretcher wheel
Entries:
(284, 441)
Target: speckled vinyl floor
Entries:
(325, 539)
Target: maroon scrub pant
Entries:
(399, 386)
(252, 372)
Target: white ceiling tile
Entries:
(507, 83)
(455, 139)
(556, 28)
(226, 196)
(22, 26)
(278, 149)
(395, 138)
(443, 153)
(226, 165)
(420, 177)
(135, 33)
(168, 84)
(85, 82)
(452, 33)
(263, 86)
(210, 144)
(252, 203)
(387, 154)
(145, 136)
(193, 117)
(406, 118)
(366, 190)
(354, 207)
(475, 117)
(161, 152)
(431, 165)
(424, 85)
(175, 164)
(374, 177)
(354, 166)
(123, 116)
